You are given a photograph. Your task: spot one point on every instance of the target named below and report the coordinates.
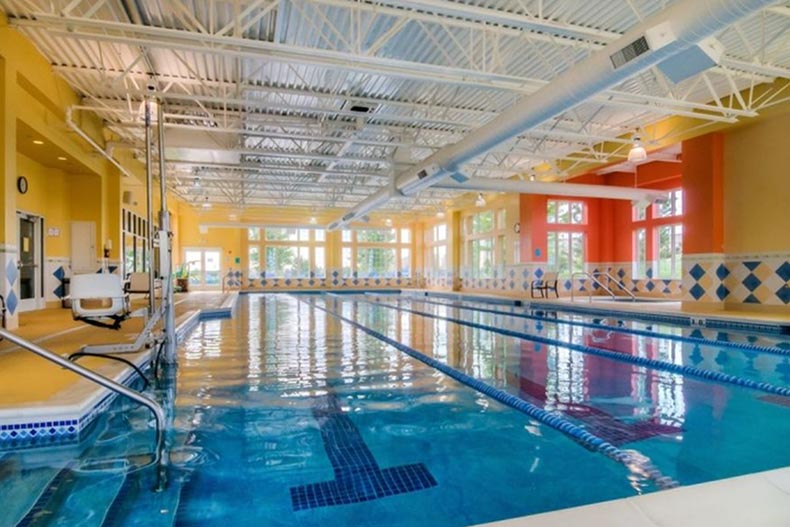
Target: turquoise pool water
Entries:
(288, 415)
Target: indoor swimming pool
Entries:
(396, 410)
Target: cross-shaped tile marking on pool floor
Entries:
(357, 475)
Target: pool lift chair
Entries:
(99, 299)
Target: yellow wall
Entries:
(226, 239)
(47, 197)
(757, 186)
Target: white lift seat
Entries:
(97, 287)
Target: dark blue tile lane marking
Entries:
(596, 421)
(357, 475)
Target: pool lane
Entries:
(699, 336)
(766, 372)
(671, 416)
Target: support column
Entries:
(455, 250)
(9, 254)
(704, 269)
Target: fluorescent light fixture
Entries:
(38, 142)
(637, 154)
(61, 158)
(480, 201)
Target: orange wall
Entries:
(703, 193)
(609, 222)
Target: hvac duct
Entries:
(667, 33)
(555, 189)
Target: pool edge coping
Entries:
(40, 424)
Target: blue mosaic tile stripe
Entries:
(596, 421)
(590, 441)
(62, 481)
(358, 477)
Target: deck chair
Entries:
(98, 299)
(548, 282)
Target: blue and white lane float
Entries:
(636, 464)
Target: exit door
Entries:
(31, 262)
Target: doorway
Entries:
(205, 267)
(31, 262)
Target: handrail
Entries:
(593, 277)
(616, 282)
(589, 293)
(159, 414)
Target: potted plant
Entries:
(182, 278)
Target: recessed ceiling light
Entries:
(62, 158)
(38, 142)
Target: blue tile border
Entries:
(43, 431)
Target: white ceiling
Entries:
(318, 103)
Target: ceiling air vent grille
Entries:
(622, 57)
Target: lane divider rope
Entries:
(592, 442)
(741, 346)
(690, 371)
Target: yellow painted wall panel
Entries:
(757, 187)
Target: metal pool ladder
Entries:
(594, 278)
(160, 459)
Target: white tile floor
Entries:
(755, 500)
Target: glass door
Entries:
(205, 267)
(30, 264)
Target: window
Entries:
(291, 235)
(286, 253)
(204, 266)
(439, 257)
(135, 242)
(670, 250)
(640, 253)
(254, 262)
(485, 239)
(565, 212)
(375, 262)
(348, 263)
(482, 257)
(319, 263)
(287, 262)
(376, 253)
(566, 252)
(482, 222)
(440, 232)
(671, 207)
(639, 213)
(376, 235)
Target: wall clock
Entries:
(21, 184)
(517, 227)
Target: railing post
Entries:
(160, 456)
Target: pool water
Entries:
(288, 415)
